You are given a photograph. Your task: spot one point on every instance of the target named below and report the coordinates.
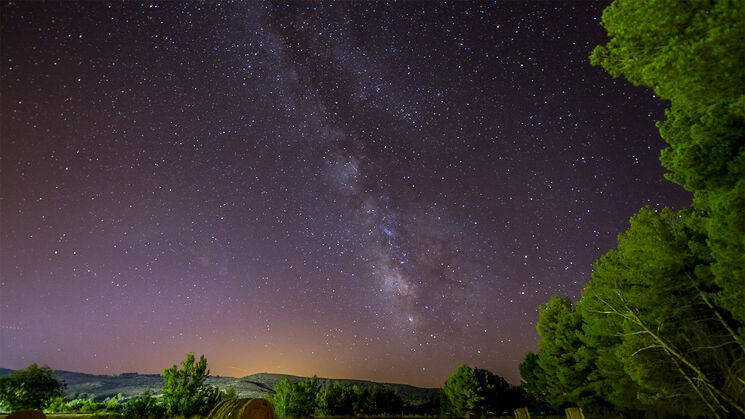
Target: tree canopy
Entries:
(480, 391)
(462, 391)
(691, 54)
(185, 391)
(661, 325)
(30, 388)
(295, 399)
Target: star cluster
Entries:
(354, 190)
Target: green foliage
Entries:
(479, 391)
(55, 405)
(84, 406)
(295, 400)
(143, 407)
(306, 393)
(282, 397)
(337, 400)
(374, 400)
(30, 388)
(653, 296)
(534, 379)
(499, 395)
(306, 398)
(114, 404)
(228, 394)
(648, 334)
(691, 54)
(565, 361)
(84, 403)
(662, 323)
(462, 391)
(185, 392)
(432, 407)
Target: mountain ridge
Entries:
(131, 384)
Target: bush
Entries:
(143, 406)
(31, 388)
(56, 405)
(228, 394)
(114, 404)
(84, 406)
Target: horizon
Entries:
(229, 376)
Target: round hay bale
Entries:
(243, 409)
(27, 414)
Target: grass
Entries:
(94, 416)
(64, 415)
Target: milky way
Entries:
(354, 190)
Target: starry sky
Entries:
(363, 190)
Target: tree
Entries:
(653, 297)
(295, 400)
(565, 361)
(534, 378)
(338, 400)
(691, 54)
(185, 391)
(282, 397)
(499, 395)
(433, 406)
(30, 388)
(462, 391)
(663, 319)
(373, 400)
(306, 394)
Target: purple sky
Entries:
(353, 190)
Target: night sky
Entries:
(354, 190)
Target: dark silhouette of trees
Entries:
(479, 391)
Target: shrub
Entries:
(56, 405)
(83, 406)
(114, 404)
(143, 406)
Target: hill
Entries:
(255, 385)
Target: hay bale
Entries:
(574, 413)
(522, 413)
(243, 409)
(27, 414)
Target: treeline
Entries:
(307, 398)
(661, 325)
(476, 391)
(184, 394)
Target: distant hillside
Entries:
(256, 385)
